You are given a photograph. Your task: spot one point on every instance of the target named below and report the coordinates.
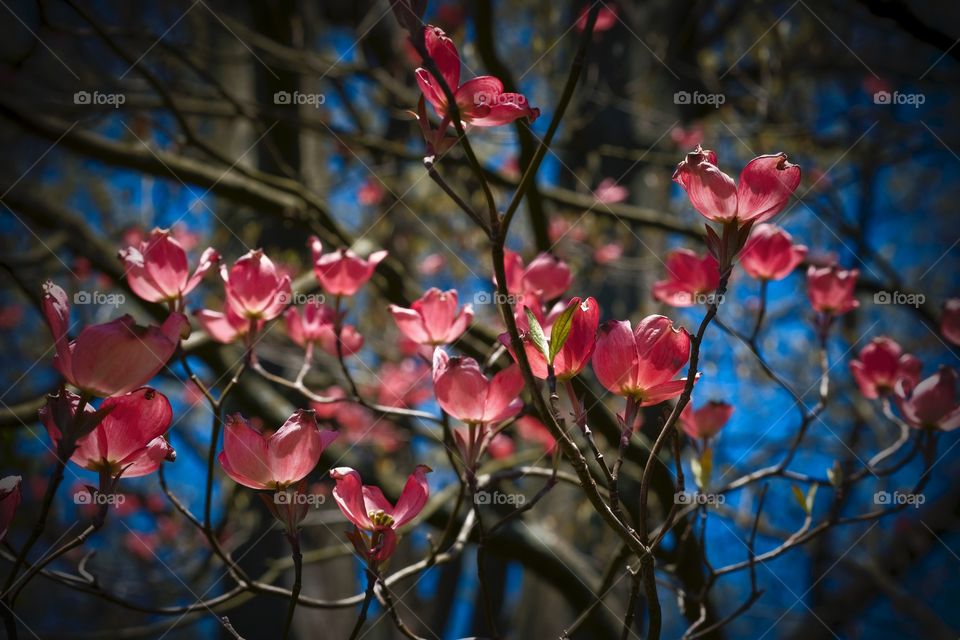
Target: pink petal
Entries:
(766, 184)
(348, 493)
(503, 395)
(245, 457)
(208, 260)
(711, 191)
(615, 356)
(413, 498)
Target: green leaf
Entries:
(561, 331)
(536, 334)
(811, 494)
(835, 474)
(800, 498)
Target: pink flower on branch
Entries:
(547, 276)
(110, 358)
(641, 363)
(765, 185)
(481, 102)
(276, 460)
(129, 439)
(226, 326)
(950, 321)
(157, 268)
(369, 510)
(316, 324)
(770, 253)
(706, 421)
(433, 319)
(831, 289)
(254, 287)
(469, 396)
(690, 279)
(931, 404)
(343, 272)
(882, 364)
(577, 349)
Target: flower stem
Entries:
(294, 539)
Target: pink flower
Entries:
(9, 501)
(254, 287)
(277, 460)
(606, 19)
(706, 421)
(770, 253)
(224, 327)
(342, 272)
(433, 319)
(576, 351)
(481, 102)
(530, 428)
(157, 269)
(607, 253)
(466, 394)
(950, 320)
(641, 363)
(609, 192)
(689, 279)
(501, 446)
(831, 289)
(932, 404)
(110, 358)
(403, 385)
(369, 510)
(881, 365)
(547, 276)
(317, 325)
(766, 184)
(128, 440)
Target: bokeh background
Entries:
(181, 128)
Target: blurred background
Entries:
(256, 124)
